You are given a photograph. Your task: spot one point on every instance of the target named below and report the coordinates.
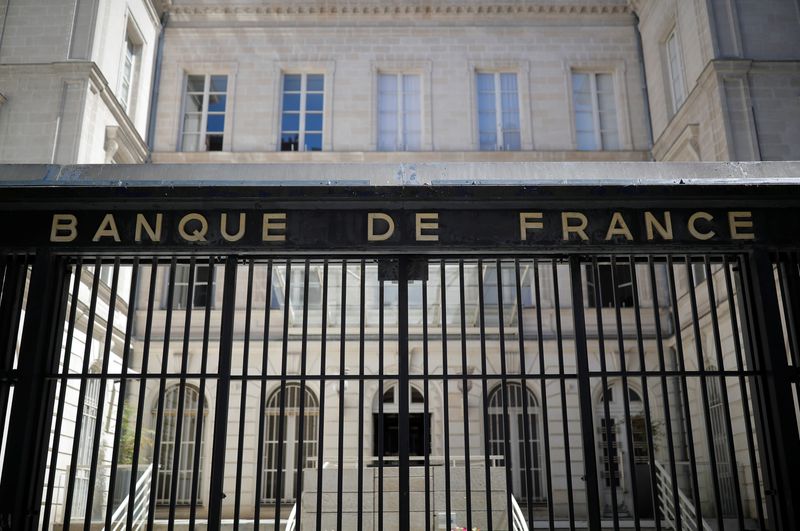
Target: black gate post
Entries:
(402, 373)
(584, 396)
(774, 405)
(217, 494)
(29, 425)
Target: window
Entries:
(130, 60)
(202, 294)
(301, 116)
(85, 446)
(286, 447)
(698, 274)
(498, 112)
(204, 113)
(386, 420)
(399, 109)
(609, 286)
(675, 66)
(595, 111)
(187, 445)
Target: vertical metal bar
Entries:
(87, 351)
(176, 451)
(361, 314)
(31, 412)
(322, 385)
(712, 304)
(263, 398)
(243, 398)
(465, 389)
(501, 325)
(445, 399)
(665, 391)
(57, 436)
(687, 414)
(487, 447)
(613, 454)
(623, 367)
(201, 404)
(126, 349)
(698, 345)
(426, 404)
(301, 461)
(779, 436)
(562, 383)
(403, 398)
(380, 405)
(584, 395)
(543, 392)
(216, 490)
(137, 437)
(342, 359)
(531, 455)
(282, 405)
(637, 314)
(161, 390)
(751, 449)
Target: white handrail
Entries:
(687, 508)
(140, 502)
(291, 521)
(518, 517)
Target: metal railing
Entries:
(667, 506)
(140, 504)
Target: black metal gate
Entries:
(360, 358)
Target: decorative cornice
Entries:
(351, 9)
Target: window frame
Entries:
(676, 71)
(202, 131)
(303, 111)
(498, 108)
(180, 303)
(133, 41)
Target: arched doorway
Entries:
(615, 453)
(292, 453)
(525, 448)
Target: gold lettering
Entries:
(107, 228)
(693, 229)
(273, 222)
(665, 230)
(197, 235)
(618, 227)
(141, 223)
(64, 223)
(427, 221)
(223, 227)
(526, 223)
(736, 223)
(371, 217)
(567, 229)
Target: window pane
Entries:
(291, 102)
(194, 102)
(411, 122)
(486, 122)
(214, 142)
(485, 82)
(582, 102)
(508, 82)
(605, 83)
(580, 83)
(608, 121)
(488, 141)
(315, 82)
(291, 82)
(509, 101)
(511, 121)
(290, 122)
(411, 102)
(195, 83)
(387, 83)
(313, 142)
(610, 140)
(413, 141)
(219, 83)
(485, 102)
(191, 123)
(586, 140)
(216, 123)
(313, 122)
(190, 142)
(314, 102)
(216, 103)
(290, 142)
(411, 83)
(387, 141)
(511, 141)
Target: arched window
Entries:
(386, 427)
(184, 469)
(525, 448)
(296, 448)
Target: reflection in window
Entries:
(204, 104)
(595, 111)
(399, 123)
(498, 112)
(302, 112)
